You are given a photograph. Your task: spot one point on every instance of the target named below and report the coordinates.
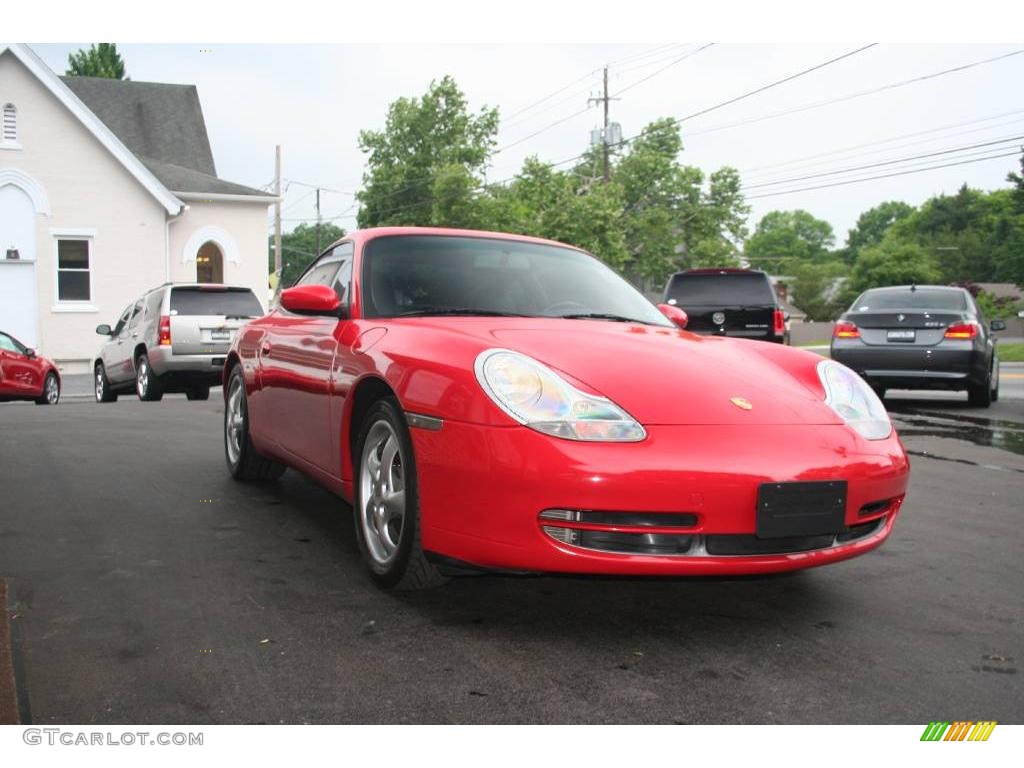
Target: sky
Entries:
(314, 99)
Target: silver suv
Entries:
(172, 339)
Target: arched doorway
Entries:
(209, 263)
(17, 264)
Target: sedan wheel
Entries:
(382, 482)
(244, 462)
(51, 390)
(102, 388)
(386, 504)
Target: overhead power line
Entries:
(851, 169)
(851, 96)
(881, 176)
(667, 66)
(808, 159)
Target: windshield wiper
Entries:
(441, 311)
(603, 316)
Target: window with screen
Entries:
(73, 270)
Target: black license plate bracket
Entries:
(813, 508)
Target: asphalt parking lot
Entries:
(149, 587)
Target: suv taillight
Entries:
(165, 331)
(962, 331)
(779, 322)
(845, 330)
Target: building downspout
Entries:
(167, 242)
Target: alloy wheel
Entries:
(142, 377)
(234, 424)
(382, 492)
(52, 390)
(100, 385)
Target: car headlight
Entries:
(534, 395)
(849, 395)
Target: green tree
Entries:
(784, 239)
(894, 262)
(814, 289)
(872, 225)
(298, 249)
(424, 168)
(100, 60)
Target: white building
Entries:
(107, 189)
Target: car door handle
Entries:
(265, 348)
(135, 335)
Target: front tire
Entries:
(995, 381)
(147, 384)
(51, 390)
(102, 386)
(386, 501)
(244, 463)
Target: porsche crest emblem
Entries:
(741, 402)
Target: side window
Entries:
(136, 316)
(122, 321)
(343, 279)
(321, 273)
(7, 343)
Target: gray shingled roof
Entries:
(162, 124)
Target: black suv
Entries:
(728, 302)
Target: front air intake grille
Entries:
(748, 544)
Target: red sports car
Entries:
(24, 375)
(501, 402)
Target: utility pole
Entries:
(604, 134)
(277, 213)
(318, 221)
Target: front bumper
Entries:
(482, 490)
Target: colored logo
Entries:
(741, 402)
(961, 730)
(718, 318)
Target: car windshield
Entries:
(919, 298)
(231, 302)
(409, 275)
(710, 289)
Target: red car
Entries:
(24, 375)
(501, 402)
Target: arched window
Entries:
(209, 264)
(10, 124)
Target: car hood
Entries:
(663, 375)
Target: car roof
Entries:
(915, 288)
(371, 233)
(720, 271)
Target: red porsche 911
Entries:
(501, 402)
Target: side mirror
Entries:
(30, 353)
(675, 314)
(311, 300)
(997, 325)
(103, 330)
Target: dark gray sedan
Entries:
(920, 337)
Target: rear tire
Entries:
(385, 471)
(995, 381)
(51, 390)
(147, 384)
(198, 393)
(244, 463)
(102, 385)
(980, 395)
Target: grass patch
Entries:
(1011, 353)
(816, 343)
